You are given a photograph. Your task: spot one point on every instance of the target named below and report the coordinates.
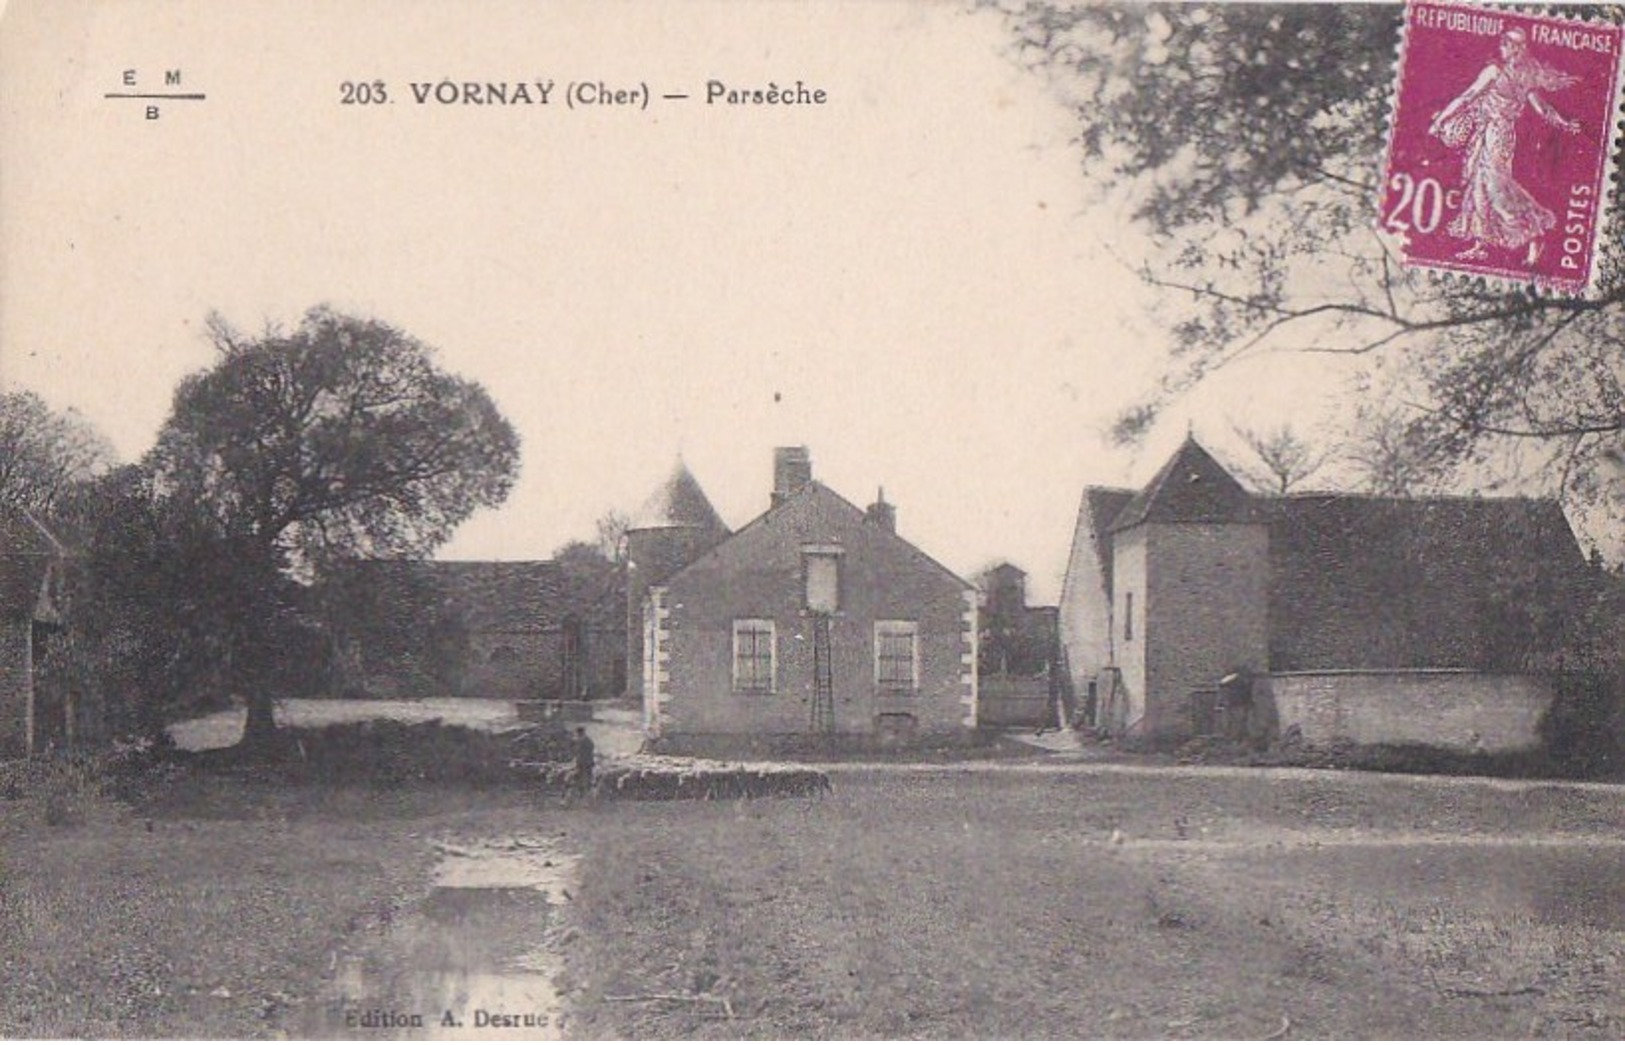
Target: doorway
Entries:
(572, 649)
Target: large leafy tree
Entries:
(300, 448)
(1250, 139)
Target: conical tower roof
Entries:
(678, 502)
(1191, 487)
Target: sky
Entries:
(918, 279)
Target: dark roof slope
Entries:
(526, 596)
(1192, 487)
(1380, 582)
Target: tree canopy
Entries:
(1251, 138)
(341, 437)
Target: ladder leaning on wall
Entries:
(823, 702)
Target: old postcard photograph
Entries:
(902, 519)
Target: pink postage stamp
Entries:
(1499, 152)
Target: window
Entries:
(897, 654)
(753, 656)
(1128, 617)
(823, 570)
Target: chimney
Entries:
(792, 469)
(882, 514)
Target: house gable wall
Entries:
(758, 574)
(1085, 611)
(32, 579)
(1129, 582)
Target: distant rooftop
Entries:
(678, 502)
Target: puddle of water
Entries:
(525, 867)
(454, 910)
(472, 961)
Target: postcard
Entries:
(819, 520)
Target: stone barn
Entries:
(507, 630)
(1192, 604)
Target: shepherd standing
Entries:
(581, 781)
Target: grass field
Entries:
(1031, 904)
(216, 909)
(982, 902)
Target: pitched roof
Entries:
(678, 502)
(817, 490)
(1361, 581)
(1191, 487)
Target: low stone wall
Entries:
(1465, 711)
(656, 777)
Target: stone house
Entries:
(815, 620)
(1350, 617)
(32, 569)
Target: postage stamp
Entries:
(1499, 150)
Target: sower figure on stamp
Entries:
(1483, 119)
